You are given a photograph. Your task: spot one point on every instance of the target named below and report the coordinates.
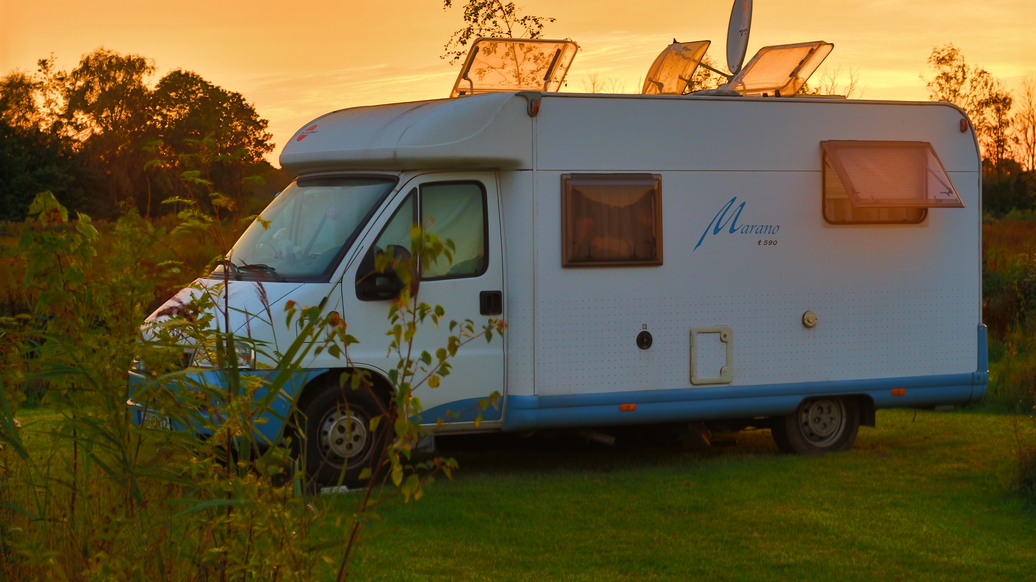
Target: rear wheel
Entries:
(819, 425)
(338, 443)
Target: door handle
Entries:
(491, 302)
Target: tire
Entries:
(338, 443)
(827, 424)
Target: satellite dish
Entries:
(737, 34)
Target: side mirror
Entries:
(374, 285)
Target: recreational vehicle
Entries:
(736, 255)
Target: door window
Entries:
(455, 213)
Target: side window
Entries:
(397, 231)
(611, 220)
(883, 182)
(838, 209)
(454, 211)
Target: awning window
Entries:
(890, 174)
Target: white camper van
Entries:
(733, 255)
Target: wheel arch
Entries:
(863, 401)
(866, 404)
(380, 385)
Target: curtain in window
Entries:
(612, 223)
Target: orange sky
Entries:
(297, 60)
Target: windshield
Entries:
(309, 226)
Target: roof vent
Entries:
(503, 65)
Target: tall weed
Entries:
(88, 494)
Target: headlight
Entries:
(205, 357)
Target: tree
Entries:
(1025, 123)
(186, 106)
(105, 112)
(826, 83)
(32, 161)
(995, 124)
(705, 78)
(195, 119)
(491, 18)
(18, 100)
(35, 155)
(593, 83)
(34, 100)
(978, 93)
(107, 92)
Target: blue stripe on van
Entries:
(684, 404)
(462, 411)
(981, 383)
(692, 404)
(269, 431)
(729, 402)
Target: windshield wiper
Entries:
(259, 268)
(229, 265)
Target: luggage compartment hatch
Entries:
(712, 355)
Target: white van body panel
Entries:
(898, 305)
(492, 131)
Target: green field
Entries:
(925, 498)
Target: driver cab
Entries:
(466, 281)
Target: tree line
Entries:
(104, 139)
(1004, 122)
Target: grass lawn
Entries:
(922, 498)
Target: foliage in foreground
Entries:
(97, 497)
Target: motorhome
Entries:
(745, 255)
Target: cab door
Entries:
(462, 208)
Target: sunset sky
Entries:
(297, 60)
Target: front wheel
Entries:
(339, 443)
(819, 425)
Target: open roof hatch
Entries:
(780, 70)
(672, 70)
(499, 65)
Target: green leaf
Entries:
(365, 473)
